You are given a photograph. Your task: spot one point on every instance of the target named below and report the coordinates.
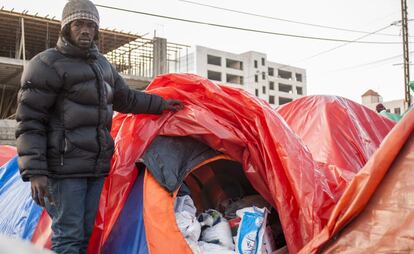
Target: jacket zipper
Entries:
(100, 88)
(63, 152)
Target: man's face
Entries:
(82, 33)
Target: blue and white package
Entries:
(251, 230)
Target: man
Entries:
(64, 117)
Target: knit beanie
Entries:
(79, 9)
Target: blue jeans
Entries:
(73, 213)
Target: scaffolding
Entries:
(24, 35)
(136, 58)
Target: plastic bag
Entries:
(251, 230)
(185, 215)
(210, 248)
(217, 229)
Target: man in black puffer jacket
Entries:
(64, 117)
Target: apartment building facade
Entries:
(251, 71)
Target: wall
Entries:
(391, 105)
(7, 129)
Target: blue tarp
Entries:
(128, 233)
(19, 214)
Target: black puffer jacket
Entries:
(64, 114)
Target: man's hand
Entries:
(173, 105)
(40, 190)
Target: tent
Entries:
(301, 162)
(376, 212)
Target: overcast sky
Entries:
(347, 71)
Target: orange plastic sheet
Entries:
(159, 203)
(376, 212)
(248, 130)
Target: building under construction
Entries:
(24, 35)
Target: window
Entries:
(397, 111)
(263, 89)
(214, 60)
(299, 90)
(283, 100)
(271, 99)
(285, 88)
(298, 77)
(234, 64)
(388, 110)
(271, 71)
(263, 75)
(263, 61)
(271, 85)
(234, 79)
(255, 63)
(256, 78)
(214, 75)
(256, 92)
(284, 74)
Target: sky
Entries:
(349, 70)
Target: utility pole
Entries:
(404, 23)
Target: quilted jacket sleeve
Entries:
(127, 100)
(39, 87)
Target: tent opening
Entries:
(222, 185)
(198, 187)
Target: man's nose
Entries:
(85, 30)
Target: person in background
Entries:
(380, 107)
(65, 107)
(382, 110)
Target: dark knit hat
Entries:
(79, 9)
(380, 107)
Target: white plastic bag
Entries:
(210, 248)
(218, 229)
(185, 216)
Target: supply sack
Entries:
(185, 215)
(251, 230)
(215, 229)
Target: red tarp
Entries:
(340, 134)
(275, 159)
(6, 153)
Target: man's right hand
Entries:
(40, 190)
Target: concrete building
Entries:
(273, 82)
(371, 98)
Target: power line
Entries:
(344, 44)
(373, 62)
(284, 20)
(247, 29)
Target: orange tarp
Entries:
(376, 212)
(161, 229)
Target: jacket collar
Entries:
(68, 49)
